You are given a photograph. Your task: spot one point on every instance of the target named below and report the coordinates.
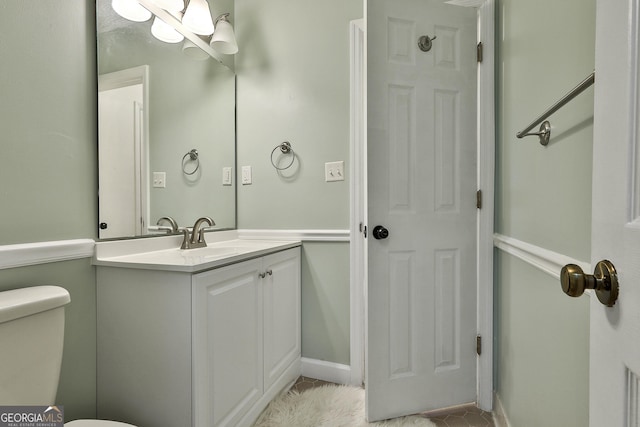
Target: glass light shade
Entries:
(197, 18)
(165, 32)
(224, 39)
(170, 5)
(194, 52)
(131, 10)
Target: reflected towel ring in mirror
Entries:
(285, 148)
(193, 156)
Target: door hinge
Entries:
(479, 53)
(479, 345)
(479, 199)
(363, 230)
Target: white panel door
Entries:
(119, 129)
(615, 331)
(123, 128)
(422, 180)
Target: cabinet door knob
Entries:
(262, 275)
(269, 272)
(604, 281)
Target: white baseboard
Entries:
(326, 371)
(499, 415)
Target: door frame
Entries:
(485, 183)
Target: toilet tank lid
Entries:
(23, 302)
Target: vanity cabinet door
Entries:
(227, 343)
(281, 288)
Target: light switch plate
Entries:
(334, 171)
(227, 176)
(159, 180)
(246, 175)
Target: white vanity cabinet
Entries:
(201, 349)
(246, 332)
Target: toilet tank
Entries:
(31, 339)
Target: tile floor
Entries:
(468, 416)
(304, 383)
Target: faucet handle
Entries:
(197, 235)
(202, 231)
(171, 221)
(186, 241)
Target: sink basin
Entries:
(210, 252)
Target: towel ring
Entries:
(285, 148)
(193, 156)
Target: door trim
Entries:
(358, 166)
(486, 174)
(485, 182)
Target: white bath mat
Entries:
(326, 406)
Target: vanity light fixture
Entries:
(171, 26)
(165, 32)
(170, 5)
(190, 49)
(131, 10)
(224, 39)
(197, 18)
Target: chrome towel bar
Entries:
(545, 130)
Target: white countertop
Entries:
(165, 253)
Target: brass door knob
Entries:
(604, 281)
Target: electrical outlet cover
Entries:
(246, 175)
(227, 176)
(159, 180)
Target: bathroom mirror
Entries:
(166, 124)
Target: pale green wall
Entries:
(543, 197)
(47, 121)
(325, 301)
(293, 85)
(48, 164)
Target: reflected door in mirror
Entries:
(122, 153)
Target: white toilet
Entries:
(32, 333)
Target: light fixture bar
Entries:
(175, 23)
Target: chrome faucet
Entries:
(171, 221)
(196, 240)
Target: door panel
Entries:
(614, 345)
(421, 186)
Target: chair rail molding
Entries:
(543, 259)
(303, 235)
(25, 254)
